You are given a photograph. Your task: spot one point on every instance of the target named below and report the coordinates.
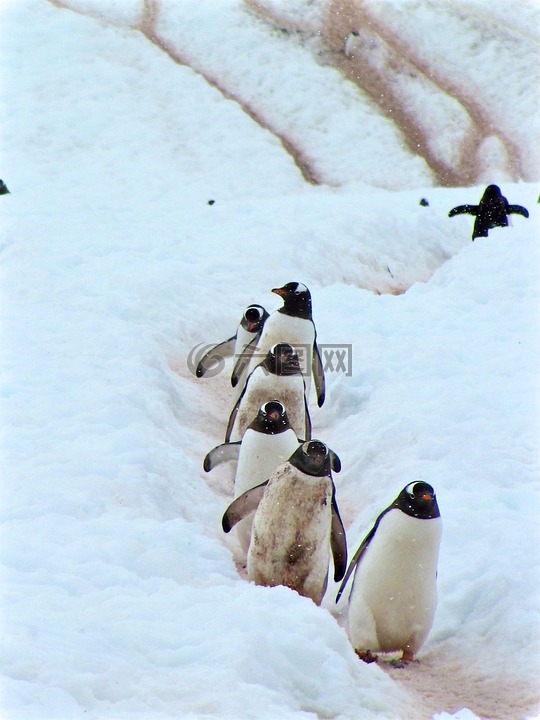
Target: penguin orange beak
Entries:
(427, 497)
(279, 291)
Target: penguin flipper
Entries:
(234, 413)
(361, 550)
(318, 375)
(462, 209)
(335, 462)
(242, 506)
(518, 210)
(338, 542)
(243, 360)
(308, 419)
(221, 453)
(224, 349)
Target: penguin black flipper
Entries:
(318, 374)
(243, 360)
(221, 453)
(358, 554)
(224, 349)
(234, 412)
(517, 210)
(308, 419)
(335, 462)
(462, 209)
(338, 541)
(242, 506)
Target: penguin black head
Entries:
(491, 194)
(312, 458)
(271, 419)
(253, 318)
(418, 500)
(282, 359)
(296, 300)
(3, 188)
(424, 202)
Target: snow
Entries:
(121, 595)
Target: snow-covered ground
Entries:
(120, 121)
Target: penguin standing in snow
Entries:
(394, 594)
(491, 212)
(293, 324)
(278, 377)
(296, 524)
(268, 442)
(249, 328)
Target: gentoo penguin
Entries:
(293, 324)
(491, 212)
(249, 328)
(296, 524)
(351, 43)
(394, 593)
(3, 188)
(268, 442)
(278, 377)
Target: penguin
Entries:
(296, 524)
(268, 442)
(249, 328)
(3, 188)
(394, 594)
(351, 43)
(424, 202)
(491, 212)
(278, 377)
(293, 324)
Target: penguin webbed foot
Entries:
(406, 658)
(367, 656)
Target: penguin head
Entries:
(312, 458)
(418, 500)
(282, 359)
(491, 194)
(253, 318)
(296, 300)
(271, 419)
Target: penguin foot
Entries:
(404, 660)
(367, 656)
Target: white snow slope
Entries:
(120, 121)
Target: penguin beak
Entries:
(252, 326)
(427, 497)
(279, 291)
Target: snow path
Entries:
(107, 427)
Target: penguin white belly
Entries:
(394, 594)
(260, 454)
(298, 332)
(263, 386)
(290, 539)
